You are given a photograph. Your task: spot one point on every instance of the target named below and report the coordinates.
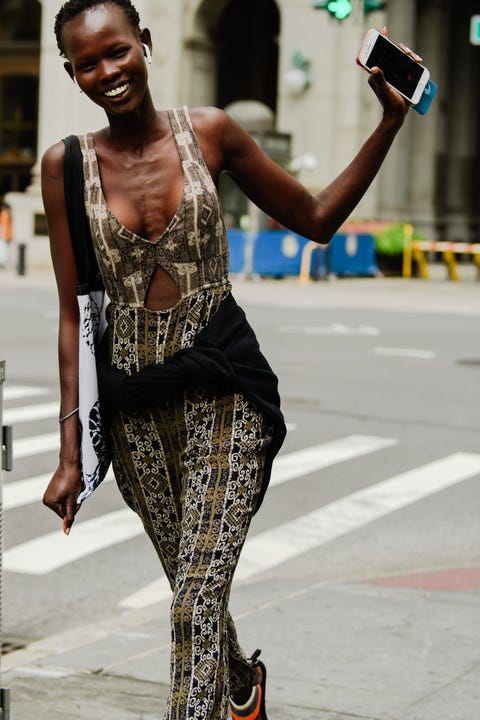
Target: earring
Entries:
(148, 54)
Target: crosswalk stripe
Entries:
(317, 457)
(42, 555)
(54, 550)
(26, 413)
(35, 445)
(405, 352)
(321, 526)
(18, 392)
(286, 467)
(24, 492)
(30, 490)
(274, 547)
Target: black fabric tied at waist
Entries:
(226, 355)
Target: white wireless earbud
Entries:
(76, 83)
(148, 54)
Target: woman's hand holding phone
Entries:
(395, 106)
(398, 65)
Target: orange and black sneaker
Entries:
(254, 708)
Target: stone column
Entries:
(323, 119)
(394, 178)
(462, 192)
(429, 132)
(199, 62)
(62, 108)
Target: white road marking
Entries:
(274, 547)
(26, 413)
(35, 445)
(288, 541)
(17, 392)
(24, 492)
(310, 459)
(47, 553)
(50, 552)
(332, 329)
(405, 352)
(30, 490)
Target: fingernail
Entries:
(67, 531)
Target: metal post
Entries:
(250, 239)
(22, 250)
(6, 464)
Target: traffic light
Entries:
(338, 8)
(342, 8)
(372, 5)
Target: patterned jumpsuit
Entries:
(191, 466)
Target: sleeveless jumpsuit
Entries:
(191, 466)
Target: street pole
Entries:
(6, 464)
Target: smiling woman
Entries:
(192, 405)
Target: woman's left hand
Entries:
(395, 106)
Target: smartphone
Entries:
(408, 77)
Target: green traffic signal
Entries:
(342, 8)
(338, 8)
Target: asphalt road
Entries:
(380, 382)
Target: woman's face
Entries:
(106, 57)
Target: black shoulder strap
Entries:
(87, 267)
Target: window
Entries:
(19, 71)
(19, 21)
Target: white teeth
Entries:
(116, 91)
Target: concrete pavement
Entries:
(406, 648)
(335, 652)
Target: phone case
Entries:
(426, 100)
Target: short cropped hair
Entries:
(72, 8)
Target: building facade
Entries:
(286, 71)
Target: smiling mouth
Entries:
(117, 91)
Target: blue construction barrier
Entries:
(349, 255)
(279, 252)
(236, 241)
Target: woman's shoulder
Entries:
(208, 119)
(52, 159)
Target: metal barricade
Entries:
(418, 249)
(6, 464)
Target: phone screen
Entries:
(399, 69)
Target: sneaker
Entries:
(254, 708)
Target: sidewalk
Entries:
(438, 294)
(350, 651)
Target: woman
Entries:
(195, 463)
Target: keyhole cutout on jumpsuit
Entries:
(163, 292)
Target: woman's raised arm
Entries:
(279, 194)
